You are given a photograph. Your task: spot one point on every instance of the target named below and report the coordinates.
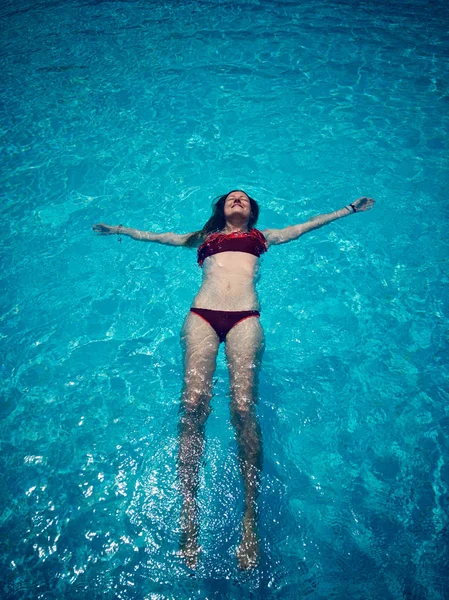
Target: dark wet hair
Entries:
(217, 220)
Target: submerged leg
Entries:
(244, 349)
(200, 351)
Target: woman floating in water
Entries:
(225, 310)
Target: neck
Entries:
(232, 226)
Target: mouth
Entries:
(237, 204)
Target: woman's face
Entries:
(237, 203)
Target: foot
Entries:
(248, 550)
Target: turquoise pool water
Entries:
(140, 113)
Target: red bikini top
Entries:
(252, 242)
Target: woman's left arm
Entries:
(280, 236)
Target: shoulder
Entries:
(208, 237)
(287, 234)
(195, 239)
(261, 238)
(271, 236)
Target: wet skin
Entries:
(228, 284)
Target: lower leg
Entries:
(191, 444)
(249, 444)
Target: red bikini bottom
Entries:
(222, 321)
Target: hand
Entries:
(363, 203)
(103, 229)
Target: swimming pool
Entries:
(140, 113)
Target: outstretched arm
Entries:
(280, 236)
(170, 239)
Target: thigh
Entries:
(244, 349)
(200, 346)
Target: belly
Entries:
(228, 285)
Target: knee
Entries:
(246, 424)
(195, 406)
(242, 400)
(242, 412)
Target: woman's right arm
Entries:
(169, 239)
